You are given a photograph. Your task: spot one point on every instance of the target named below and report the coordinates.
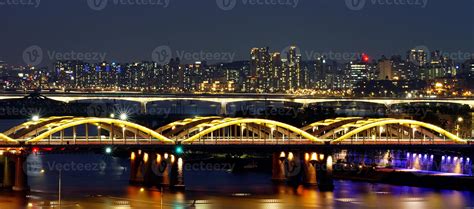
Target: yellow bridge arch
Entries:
(98, 121)
(189, 130)
(7, 139)
(382, 122)
(239, 121)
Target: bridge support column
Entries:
(139, 168)
(134, 165)
(293, 168)
(324, 172)
(21, 180)
(148, 176)
(436, 164)
(309, 166)
(143, 109)
(278, 167)
(223, 108)
(7, 172)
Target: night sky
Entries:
(130, 33)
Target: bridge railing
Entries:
(421, 141)
(96, 141)
(224, 141)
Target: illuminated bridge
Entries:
(215, 130)
(225, 102)
(312, 146)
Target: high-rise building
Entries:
(439, 67)
(260, 64)
(295, 74)
(418, 56)
(277, 77)
(319, 77)
(193, 76)
(357, 71)
(385, 69)
(469, 66)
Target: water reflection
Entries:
(108, 187)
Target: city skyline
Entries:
(47, 58)
(418, 73)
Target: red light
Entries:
(35, 149)
(365, 57)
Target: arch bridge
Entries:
(215, 130)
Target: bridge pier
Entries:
(135, 159)
(8, 172)
(223, 108)
(293, 168)
(278, 167)
(21, 180)
(143, 109)
(148, 176)
(155, 169)
(309, 166)
(324, 171)
(436, 164)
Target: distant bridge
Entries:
(224, 100)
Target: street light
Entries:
(123, 116)
(35, 118)
(108, 150)
(179, 150)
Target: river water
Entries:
(104, 184)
